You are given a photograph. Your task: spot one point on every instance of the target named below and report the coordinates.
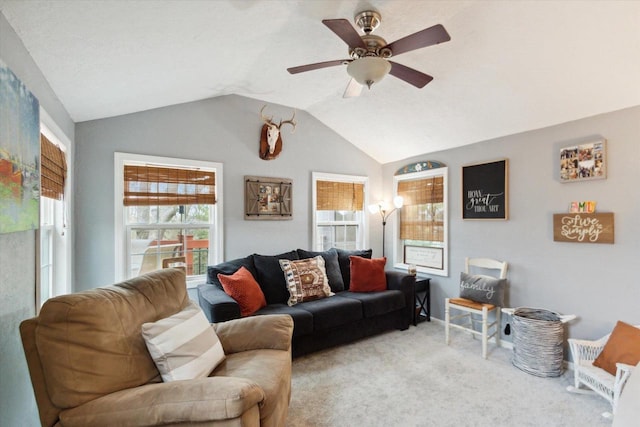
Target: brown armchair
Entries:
(89, 364)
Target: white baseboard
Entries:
(505, 344)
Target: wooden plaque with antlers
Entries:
(270, 137)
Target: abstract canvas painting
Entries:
(19, 154)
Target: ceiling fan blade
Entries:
(409, 75)
(345, 31)
(427, 37)
(353, 89)
(317, 65)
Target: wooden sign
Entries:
(583, 227)
(484, 190)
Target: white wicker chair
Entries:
(598, 380)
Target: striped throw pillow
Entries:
(183, 346)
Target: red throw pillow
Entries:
(622, 346)
(242, 287)
(367, 275)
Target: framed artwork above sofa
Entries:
(267, 198)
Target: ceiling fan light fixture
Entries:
(368, 53)
(369, 70)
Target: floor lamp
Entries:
(382, 208)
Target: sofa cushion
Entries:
(345, 263)
(199, 402)
(623, 346)
(331, 265)
(367, 275)
(306, 279)
(331, 312)
(481, 288)
(377, 303)
(101, 328)
(270, 276)
(243, 288)
(183, 346)
(230, 267)
(302, 319)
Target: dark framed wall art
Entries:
(485, 190)
(267, 198)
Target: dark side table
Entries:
(423, 304)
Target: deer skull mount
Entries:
(270, 138)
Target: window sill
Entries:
(421, 270)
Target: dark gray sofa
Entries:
(318, 324)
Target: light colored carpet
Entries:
(411, 378)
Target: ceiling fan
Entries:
(369, 53)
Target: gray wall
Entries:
(224, 129)
(593, 281)
(17, 254)
(597, 282)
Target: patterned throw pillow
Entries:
(242, 287)
(306, 279)
(480, 288)
(367, 275)
(183, 346)
(331, 266)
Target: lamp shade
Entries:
(369, 70)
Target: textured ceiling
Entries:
(511, 66)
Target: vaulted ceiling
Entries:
(511, 66)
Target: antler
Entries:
(269, 120)
(291, 121)
(264, 118)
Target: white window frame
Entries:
(46, 238)
(363, 234)
(120, 228)
(398, 247)
(58, 233)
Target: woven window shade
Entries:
(421, 191)
(151, 185)
(339, 196)
(53, 173)
(417, 220)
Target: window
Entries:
(168, 213)
(421, 237)
(339, 220)
(46, 248)
(54, 249)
